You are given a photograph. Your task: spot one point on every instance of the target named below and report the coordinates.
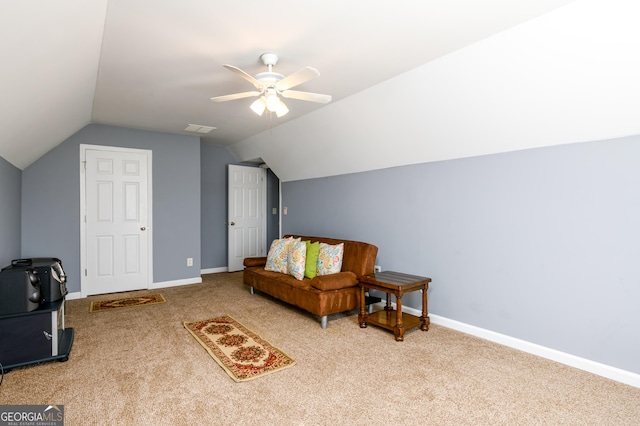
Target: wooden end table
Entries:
(398, 284)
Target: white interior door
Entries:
(247, 222)
(117, 220)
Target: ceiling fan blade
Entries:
(298, 77)
(251, 79)
(306, 96)
(235, 96)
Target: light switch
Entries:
(274, 210)
(284, 211)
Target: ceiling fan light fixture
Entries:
(270, 85)
(273, 102)
(282, 109)
(259, 106)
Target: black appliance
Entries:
(53, 279)
(32, 302)
(19, 290)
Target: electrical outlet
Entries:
(377, 268)
(189, 261)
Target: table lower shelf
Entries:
(387, 319)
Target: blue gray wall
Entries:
(10, 190)
(542, 245)
(214, 161)
(215, 183)
(273, 202)
(51, 201)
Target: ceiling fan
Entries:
(270, 84)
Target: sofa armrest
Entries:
(255, 261)
(334, 281)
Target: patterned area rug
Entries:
(103, 305)
(238, 350)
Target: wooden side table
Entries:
(398, 284)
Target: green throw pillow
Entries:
(312, 259)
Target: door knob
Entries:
(232, 223)
(143, 228)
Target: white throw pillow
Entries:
(277, 256)
(330, 258)
(297, 259)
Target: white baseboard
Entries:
(162, 284)
(74, 295)
(176, 283)
(613, 373)
(214, 270)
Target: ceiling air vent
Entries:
(197, 128)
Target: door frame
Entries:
(84, 285)
(262, 187)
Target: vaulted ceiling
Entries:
(154, 64)
(568, 76)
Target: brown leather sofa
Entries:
(323, 295)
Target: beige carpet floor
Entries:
(139, 366)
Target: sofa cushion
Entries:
(296, 259)
(330, 259)
(312, 259)
(335, 281)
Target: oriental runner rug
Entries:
(238, 350)
(104, 305)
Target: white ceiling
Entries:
(154, 64)
(568, 76)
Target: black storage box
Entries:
(52, 277)
(35, 337)
(19, 290)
